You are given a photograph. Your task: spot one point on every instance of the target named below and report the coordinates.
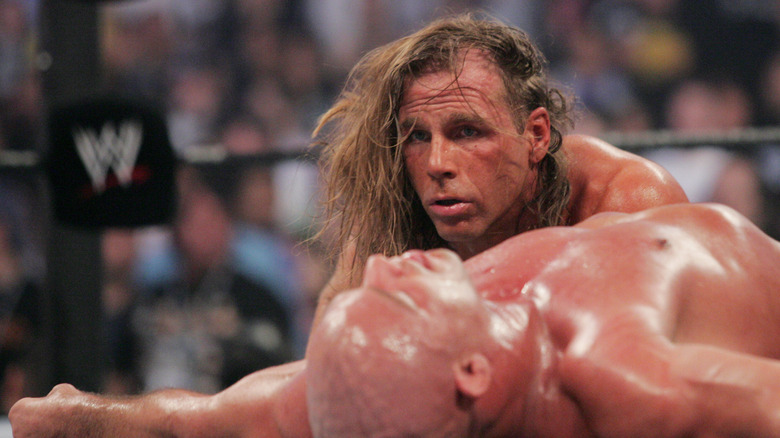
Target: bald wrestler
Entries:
(661, 323)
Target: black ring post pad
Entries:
(110, 163)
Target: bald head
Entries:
(383, 361)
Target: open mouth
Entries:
(448, 208)
(447, 202)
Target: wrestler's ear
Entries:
(473, 374)
(537, 127)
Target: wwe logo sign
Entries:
(112, 149)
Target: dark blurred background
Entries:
(175, 304)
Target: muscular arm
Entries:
(734, 394)
(666, 391)
(68, 412)
(269, 403)
(619, 375)
(630, 379)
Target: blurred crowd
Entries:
(231, 284)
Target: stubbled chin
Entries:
(457, 236)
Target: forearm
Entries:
(268, 403)
(67, 412)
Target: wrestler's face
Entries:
(380, 360)
(403, 299)
(471, 168)
(433, 284)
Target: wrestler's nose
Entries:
(441, 164)
(416, 255)
(380, 272)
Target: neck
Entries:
(466, 250)
(525, 220)
(532, 403)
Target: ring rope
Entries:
(214, 155)
(732, 139)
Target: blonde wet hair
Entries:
(369, 199)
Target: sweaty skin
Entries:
(622, 306)
(630, 300)
(662, 323)
(268, 403)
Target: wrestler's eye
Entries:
(418, 136)
(467, 132)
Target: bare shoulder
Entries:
(606, 178)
